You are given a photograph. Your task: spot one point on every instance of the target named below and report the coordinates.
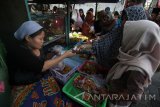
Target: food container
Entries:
(77, 95)
(64, 77)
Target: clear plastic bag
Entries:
(58, 50)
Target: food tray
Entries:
(76, 94)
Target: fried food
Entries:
(92, 68)
(90, 89)
(65, 70)
(89, 68)
(88, 84)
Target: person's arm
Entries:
(52, 62)
(134, 87)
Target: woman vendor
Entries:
(32, 84)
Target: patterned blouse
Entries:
(107, 48)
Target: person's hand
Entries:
(68, 54)
(85, 46)
(97, 34)
(98, 37)
(91, 29)
(80, 48)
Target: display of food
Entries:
(92, 68)
(89, 85)
(76, 37)
(90, 88)
(89, 69)
(65, 70)
(85, 56)
(85, 84)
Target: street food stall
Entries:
(57, 25)
(73, 70)
(81, 77)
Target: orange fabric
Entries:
(85, 29)
(87, 24)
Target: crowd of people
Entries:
(127, 44)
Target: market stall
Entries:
(81, 77)
(58, 25)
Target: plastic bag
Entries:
(58, 50)
(78, 20)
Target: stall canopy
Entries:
(72, 1)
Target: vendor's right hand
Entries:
(69, 54)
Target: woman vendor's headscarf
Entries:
(140, 50)
(135, 12)
(26, 29)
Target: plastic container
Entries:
(76, 94)
(63, 78)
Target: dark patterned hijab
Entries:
(135, 13)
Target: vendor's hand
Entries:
(68, 54)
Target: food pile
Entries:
(75, 37)
(92, 68)
(89, 69)
(90, 87)
(65, 70)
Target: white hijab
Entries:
(140, 50)
(76, 17)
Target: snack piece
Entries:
(66, 69)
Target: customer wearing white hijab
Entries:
(139, 58)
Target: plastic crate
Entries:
(63, 78)
(76, 94)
